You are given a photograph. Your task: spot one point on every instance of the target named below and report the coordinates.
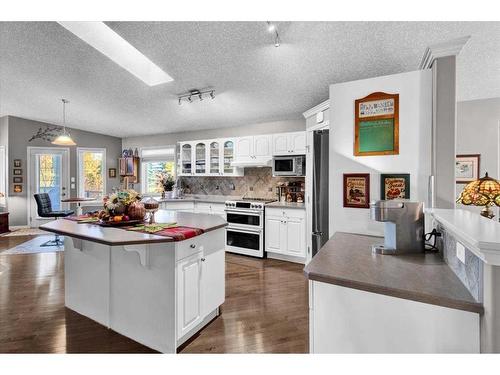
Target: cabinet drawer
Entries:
(203, 207)
(286, 212)
(185, 206)
(208, 243)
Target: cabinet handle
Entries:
(203, 259)
(192, 246)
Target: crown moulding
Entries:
(448, 48)
(319, 108)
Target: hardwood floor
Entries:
(266, 310)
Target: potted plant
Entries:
(167, 182)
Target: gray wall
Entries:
(239, 131)
(477, 133)
(21, 130)
(4, 142)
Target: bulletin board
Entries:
(376, 125)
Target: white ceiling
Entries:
(41, 62)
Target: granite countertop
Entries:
(202, 198)
(119, 237)
(287, 205)
(346, 260)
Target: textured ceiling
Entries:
(41, 62)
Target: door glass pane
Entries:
(49, 177)
(244, 219)
(201, 164)
(214, 157)
(228, 156)
(92, 174)
(283, 165)
(186, 159)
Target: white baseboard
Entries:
(288, 258)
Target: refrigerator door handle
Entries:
(317, 233)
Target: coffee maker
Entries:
(404, 226)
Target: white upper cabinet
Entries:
(262, 146)
(186, 159)
(200, 158)
(289, 143)
(243, 149)
(253, 148)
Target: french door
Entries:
(48, 173)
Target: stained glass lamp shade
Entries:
(483, 192)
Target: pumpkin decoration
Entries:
(136, 211)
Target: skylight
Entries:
(113, 46)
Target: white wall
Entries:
(415, 117)
(238, 131)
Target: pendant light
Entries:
(64, 139)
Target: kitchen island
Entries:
(371, 303)
(150, 288)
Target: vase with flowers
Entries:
(122, 205)
(166, 182)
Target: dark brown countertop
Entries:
(119, 237)
(347, 260)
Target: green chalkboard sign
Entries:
(376, 135)
(376, 125)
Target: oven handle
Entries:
(256, 213)
(235, 229)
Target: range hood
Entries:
(249, 163)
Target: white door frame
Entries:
(4, 186)
(29, 186)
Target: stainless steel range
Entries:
(245, 230)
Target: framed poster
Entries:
(467, 168)
(395, 186)
(357, 190)
(376, 125)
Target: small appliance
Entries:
(404, 226)
(245, 230)
(289, 166)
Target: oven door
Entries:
(247, 242)
(249, 220)
(284, 166)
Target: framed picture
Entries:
(17, 163)
(18, 188)
(112, 172)
(376, 125)
(18, 172)
(395, 186)
(467, 168)
(18, 180)
(357, 190)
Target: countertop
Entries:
(346, 260)
(202, 198)
(287, 205)
(479, 234)
(120, 237)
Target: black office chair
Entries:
(45, 210)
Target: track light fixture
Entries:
(271, 27)
(195, 93)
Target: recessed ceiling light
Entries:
(109, 43)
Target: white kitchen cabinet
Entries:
(180, 205)
(189, 312)
(289, 144)
(286, 231)
(254, 148)
(210, 208)
(186, 158)
(213, 281)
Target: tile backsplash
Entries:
(256, 183)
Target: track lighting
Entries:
(195, 93)
(271, 27)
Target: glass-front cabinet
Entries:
(214, 158)
(186, 159)
(228, 154)
(200, 158)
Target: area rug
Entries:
(33, 247)
(25, 232)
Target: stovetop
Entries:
(249, 203)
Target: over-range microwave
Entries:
(291, 166)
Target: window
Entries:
(91, 172)
(154, 162)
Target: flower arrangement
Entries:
(166, 181)
(122, 205)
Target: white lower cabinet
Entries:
(200, 283)
(286, 231)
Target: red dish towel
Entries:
(180, 233)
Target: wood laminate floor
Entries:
(266, 310)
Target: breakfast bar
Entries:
(156, 290)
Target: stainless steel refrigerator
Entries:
(320, 190)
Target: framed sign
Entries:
(112, 172)
(357, 190)
(467, 168)
(376, 125)
(18, 172)
(17, 163)
(394, 186)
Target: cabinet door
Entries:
(262, 146)
(189, 312)
(214, 158)
(280, 144)
(295, 235)
(186, 159)
(212, 281)
(276, 234)
(297, 142)
(200, 158)
(244, 148)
